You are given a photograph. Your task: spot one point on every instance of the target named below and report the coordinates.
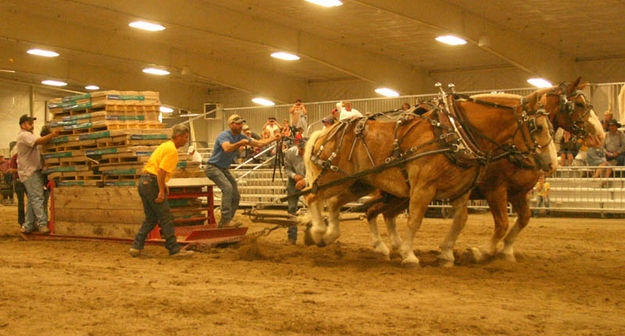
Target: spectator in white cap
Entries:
(195, 156)
(225, 152)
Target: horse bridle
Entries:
(567, 105)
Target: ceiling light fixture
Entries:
(326, 3)
(540, 82)
(386, 92)
(53, 82)
(189, 115)
(166, 109)
(7, 70)
(146, 26)
(451, 40)
(44, 53)
(92, 87)
(285, 56)
(155, 71)
(263, 101)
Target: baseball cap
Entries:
(26, 117)
(246, 127)
(235, 118)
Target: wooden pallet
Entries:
(129, 116)
(102, 126)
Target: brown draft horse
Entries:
(342, 151)
(504, 180)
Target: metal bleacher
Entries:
(573, 189)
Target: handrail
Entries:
(255, 156)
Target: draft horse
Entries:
(438, 156)
(504, 181)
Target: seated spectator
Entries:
(405, 107)
(569, 147)
(286, 128)
(195, 156)
(327, 122)
(336, 112)
(614, 144)
(607, 116)
(595, 156)
(347, 112)
(271, 128)
(248, 151)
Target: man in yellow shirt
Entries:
(153, 192)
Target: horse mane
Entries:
(533, 97)
(496, 96)
(310, 145)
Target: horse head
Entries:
(569, 108)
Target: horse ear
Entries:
(573, 87)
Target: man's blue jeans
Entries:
(230, 196)
(36, 215)
(291, 189)
(155, 213)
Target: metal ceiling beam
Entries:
(530, 56)
(202, 16)
(112, 47)
(32, 69)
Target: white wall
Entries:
(14, 102)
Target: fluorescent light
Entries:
(263, 101)
(53, 82)
(92, 87)
(44, 53)
(155, 71)
(451, 40)
(326, 3)
(189, 115)
(285, 56)
(146, 26)
(7, 70)
(386, 92)
(166, 109)
(540, 82)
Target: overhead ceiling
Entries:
(212, 45)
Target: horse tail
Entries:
(312, 170)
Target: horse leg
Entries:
(334, 209)
(391, 228)
(461, 213)
(498, 203)
(318, 229)
(376, 240)
(419, 201)
(521, 206)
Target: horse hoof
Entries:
(410, 262)
(445, 263)
(321, 244)
(476, 254)
(507, 257)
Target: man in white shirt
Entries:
(29, 168)
(347, 112)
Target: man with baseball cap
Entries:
(227, 145)
(29, 169)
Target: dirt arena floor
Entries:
(569, 280)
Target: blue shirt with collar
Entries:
(220, 157)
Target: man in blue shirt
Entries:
(225, 152)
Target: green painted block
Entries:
(76, 97)
(96, 135)
(149, 137)
(120, 172)
(101, 151)
(121, 183)
(57, 155)
(78, 117)
(60, 169)
(59, 140)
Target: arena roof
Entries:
(217, 44)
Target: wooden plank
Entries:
(100, 215)
(97, 198)
(116, 230)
